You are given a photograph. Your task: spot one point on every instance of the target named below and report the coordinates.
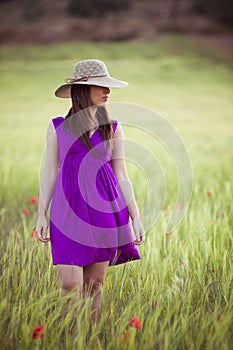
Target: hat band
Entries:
(85, 78)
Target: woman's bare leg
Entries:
(70, 279)
(93, 281)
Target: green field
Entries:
(187, 272)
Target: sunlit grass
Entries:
(189, 271)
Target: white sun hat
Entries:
(89, 72)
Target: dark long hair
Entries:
(81, 119)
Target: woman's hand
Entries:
(139, 231)
(48, 181)
(41, 229)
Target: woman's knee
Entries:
(69, 285)
(70, 278)
(94, 286)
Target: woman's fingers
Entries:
(138, 242)
(38, 232)
(41, 229)
(44, 234)
(139, 231)
(41, 234)
(140, 238)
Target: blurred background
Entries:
(176, 54)
(47, 21)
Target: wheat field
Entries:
(181, 289)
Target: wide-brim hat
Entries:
(89, 72)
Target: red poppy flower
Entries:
(25, 211)
(209, 194)
(38, 332)
(218, 317)
(135, 322)
(126, 336)
(33, 200)
(34, 234)
(154, 304)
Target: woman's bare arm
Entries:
(48, 179)
(119, 168)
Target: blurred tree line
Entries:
(222, 10)
(219, 9)
(97, 7)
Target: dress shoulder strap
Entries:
(57, 121)
(115, 123)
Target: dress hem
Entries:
(110, 265)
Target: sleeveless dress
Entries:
(89, 218)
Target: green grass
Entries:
(189, 271)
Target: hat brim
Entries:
(64, 90)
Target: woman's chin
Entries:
(103, 103)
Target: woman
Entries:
(84, 167)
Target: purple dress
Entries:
(89, 218)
